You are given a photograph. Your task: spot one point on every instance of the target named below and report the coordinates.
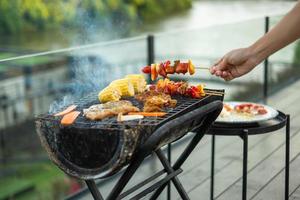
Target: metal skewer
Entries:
(202, 68)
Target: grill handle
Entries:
(207, 114)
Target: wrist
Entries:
(257, 53)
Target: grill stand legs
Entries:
(93, 189)
(188, 150)
(245, 163)
(169, 158)
(287, 158)
(158, 186)
(170, 170)
(244, 137)
(212, 169)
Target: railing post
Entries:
(4, 108)
(266, 66)
(150, 53)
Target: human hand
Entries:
(234, 64)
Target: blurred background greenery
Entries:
(32, 15)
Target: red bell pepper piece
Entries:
(147, 69)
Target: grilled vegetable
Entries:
(191, 67)
(195, 91)
(125, 86)
(69, 118)
(178, 88)
(122, 118)
(149, 114)
(138, 81)
(153, 72)
(109, 94)
(66, 111)
(147, 69)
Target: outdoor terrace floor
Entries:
(266, 161)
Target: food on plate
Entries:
(226, 111)
(109, 94)
(124, 85)
(109, 109)
(66, 111)
(149, 114)
(123, 118)
(155, 101)
(243, 109)
(250, 108)
(138, 81)
(178, 88)
(165, 68)
(69, 118)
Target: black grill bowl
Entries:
(87, 152)
(90, 150)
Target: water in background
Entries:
(202, 14)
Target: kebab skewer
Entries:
(165, 68)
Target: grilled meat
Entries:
(155, 101)
(145, 95)
(101, 111)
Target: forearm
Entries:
(284, 33)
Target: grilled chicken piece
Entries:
(155, 101)
(101, 111)
(143, 96)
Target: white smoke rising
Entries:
(89, 74)
(57, 106)
(89, 70)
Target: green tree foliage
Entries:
(296, 60)
(16, 15)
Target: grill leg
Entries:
(169, 170)
(126, 176)
(245, 163)
(212, 170)
(94, 190)
(169, 159)
(188, 150)
(287, 158)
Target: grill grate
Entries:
(183, 104)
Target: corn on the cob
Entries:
(109, 94)
(138, 81)
(124, 85)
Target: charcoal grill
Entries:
(96, 149)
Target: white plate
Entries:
(232, 117)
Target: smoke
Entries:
(88, 70)
(59, 105)
(88, 74)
